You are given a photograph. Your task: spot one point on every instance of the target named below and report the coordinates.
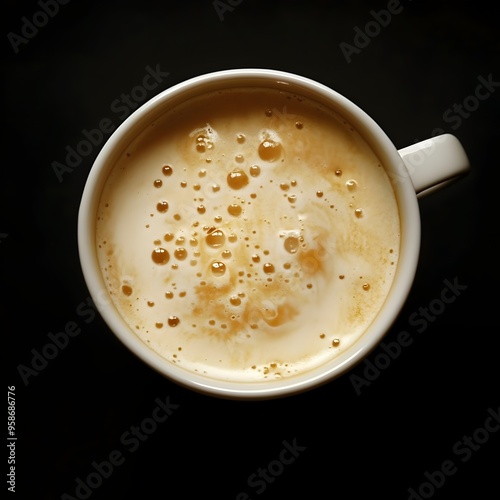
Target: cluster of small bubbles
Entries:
(160, 256)
(271, 369)
(358, 213)
(254, 170)
(234, 209)
(158, 183)
(237, 179)
(270, 150)
(351, 184)
(203, 143)
(167, 170)
(162, 206)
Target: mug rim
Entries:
(369, 130)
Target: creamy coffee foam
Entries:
(248, 235)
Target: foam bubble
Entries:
(237, 179)
(215, 238)
(160, 256)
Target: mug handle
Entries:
(435, 162)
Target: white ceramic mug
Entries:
(414, 170)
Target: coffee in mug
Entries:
(248, 234)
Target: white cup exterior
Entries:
(368, 129)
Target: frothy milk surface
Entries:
(248, 234)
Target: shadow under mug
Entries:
(414, 171)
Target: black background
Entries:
(379, 443)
